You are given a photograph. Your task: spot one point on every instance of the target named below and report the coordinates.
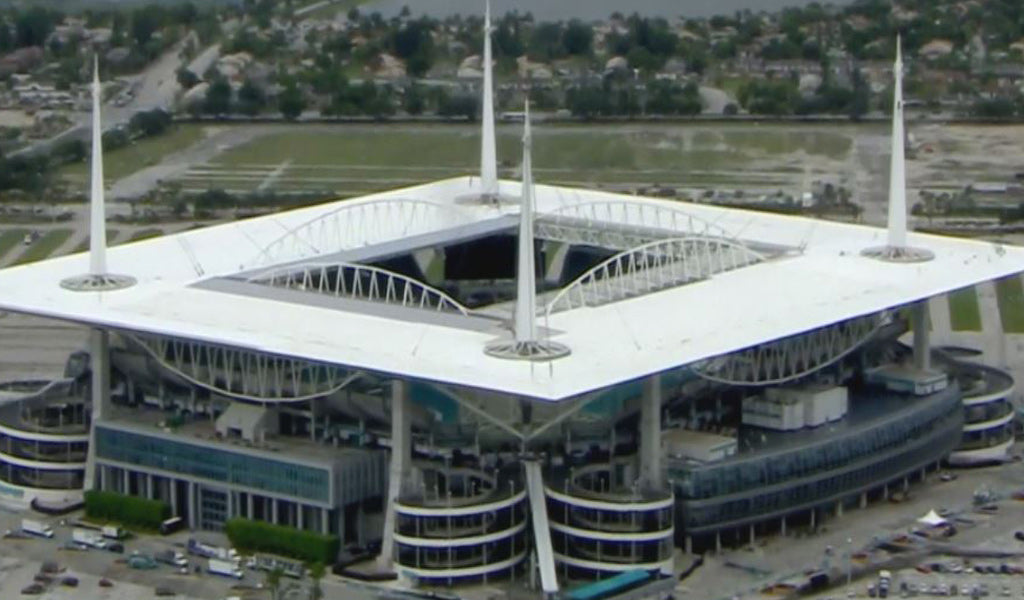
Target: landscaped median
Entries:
(256, 536)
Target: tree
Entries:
(150, 122)
(251, 99)
(33, 26)
(218, 98)
(578, 38)
(186, 78)
(414, 100)
(415, 44)
(291, 102)
(546, 42)
(461, 105)
(145, 22)
(316, 573)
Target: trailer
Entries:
(225, 568)
(113, 532)
(38, 528)
(88, 539)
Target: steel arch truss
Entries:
(244, 374)
(622, 224)
(792, 357)
(360, 224)
(361, 282)
(651, 267)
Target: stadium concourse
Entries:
(492, 377)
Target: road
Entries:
(156, 87)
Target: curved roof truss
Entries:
(623, 224)
(792, 357)
(359, 224)
(361, 282)
(244, 374)
(651, 267)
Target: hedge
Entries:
(127, 510)
(257, 536)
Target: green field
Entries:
(139, 155)
(1010, 294)
(964, 313)
(84, 244)
(145, 234)
(44, 246)
(354, 159)
(11, 238)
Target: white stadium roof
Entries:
(822, 280)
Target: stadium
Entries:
(495, 377)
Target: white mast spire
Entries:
(526, 274)
(97, 210)
(488, 153)
(897, 168)
(97, 279)
(896, 248)
(525, 344)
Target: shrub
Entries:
(128, 510)
(257, 536)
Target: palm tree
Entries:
(273, 581)
(316, 573)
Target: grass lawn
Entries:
(964, 313)
(1010, 295)
(84, 244)
(340, 158)
(145, 234)
(11, 238)
(134, 157)
(44, 246)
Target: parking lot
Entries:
(21, 558)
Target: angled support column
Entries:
(922, 336)
(401, 465)
(651, 476)
(99, 358)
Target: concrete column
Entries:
(232, 504)
(250, 506)
(906, 484)
(192, 521)
(312, 420)
(885, 492)
(783, 526)
(300, 517)
(149, 485)
(325, 523)
(919, 321)
(839, 508)
(173, 483)
(273, 511)
(651, 476)
(753, 540)
(864, 500)
(689, 544)
(401, 458)
(718, 542)
(99, 358)
(126, 482)
(814, 518)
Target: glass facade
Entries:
(753, 487)
(213, 464)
